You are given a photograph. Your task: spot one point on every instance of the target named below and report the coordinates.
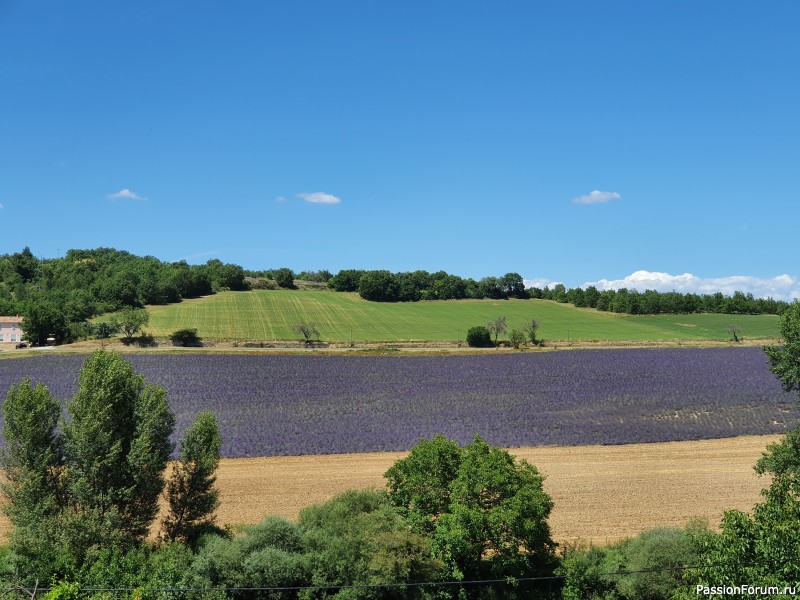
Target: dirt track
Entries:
(601, 493)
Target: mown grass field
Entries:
(345, 317)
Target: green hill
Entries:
(343, 317)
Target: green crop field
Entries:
(342, 317)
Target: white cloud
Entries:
(596, 197)
(540, 283)
(125, 194)
(319, 198)
(781, 287)
(280, 199)
(1, 206)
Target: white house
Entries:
(10, 330)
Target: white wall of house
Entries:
(10, 330)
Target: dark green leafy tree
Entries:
(378, 286)
(784, 360)
(44, 319)
(485, 512)
(117, 445)
(420, 483)
(284, 277)
(513, 286)
(32, 457)
(95, 484)
(346, 280)
(191, 493)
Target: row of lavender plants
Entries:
(291, 405)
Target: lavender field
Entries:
(292, 405)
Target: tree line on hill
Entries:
(385, 286)
(57, 296)
(454, 522)
(652, 302)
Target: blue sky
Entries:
(570, 141)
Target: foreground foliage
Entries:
(485, 512)
(89, 482)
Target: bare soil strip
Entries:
(601, 493)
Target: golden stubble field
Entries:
(601, 493)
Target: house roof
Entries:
(10, 319)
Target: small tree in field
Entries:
(308, 330)
(496, 327)
(735, 332)
(130, 321)
(530, 329)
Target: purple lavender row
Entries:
(291, 405)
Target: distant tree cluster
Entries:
(57, 296)
(651, 302)
(385, 286)
(285, 277)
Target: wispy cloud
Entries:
(781, 287)
(596, 197)
(280, 199)
(1, 206)
(125, 194)
(319, 198)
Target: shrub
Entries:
(478, 337)
(186, 337)
(517, 338)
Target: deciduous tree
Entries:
(130, 321)
(496, 327)
(486, 512)
(784, 360)
(191, 493)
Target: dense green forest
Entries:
(57, 296)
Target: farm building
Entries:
(10, 330)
